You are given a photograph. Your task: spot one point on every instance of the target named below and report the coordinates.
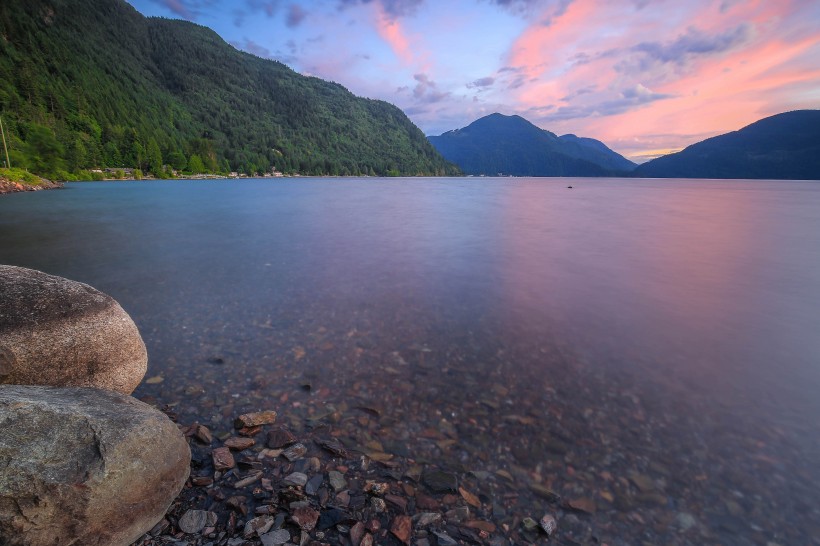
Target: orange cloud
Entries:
(391, 32)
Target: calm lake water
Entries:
(648, 349)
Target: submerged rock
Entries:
(84, 466)
(58, 332)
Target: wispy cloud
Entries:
(481, 83)
(426, 90)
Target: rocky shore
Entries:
(10, 186)
(81, 461)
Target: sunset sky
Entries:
(644, 76)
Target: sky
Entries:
(646, 77)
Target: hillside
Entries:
(93, 83)
(510, 145)
(784, 146)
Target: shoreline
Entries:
(10, 186)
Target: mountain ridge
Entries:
(511, 145)
(782, 146)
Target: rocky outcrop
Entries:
(12, 186)
(54, 331)
(84, 466)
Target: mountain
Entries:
(510, 145)
(784, 146)
(93, 83)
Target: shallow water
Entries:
(585, 340)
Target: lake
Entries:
(648, 350)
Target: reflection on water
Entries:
(647, 349)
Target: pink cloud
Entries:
(390, 29)
(691, 70)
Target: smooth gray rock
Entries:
(63, 333)
(84, 466)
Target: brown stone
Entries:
(480, 525)
(203, 434)
(54, 331)
(402, 528)
(280, 437)
(223, 459)
(305, 517)
(250, 420)
(239, 444)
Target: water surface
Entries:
(582, 340)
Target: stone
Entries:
(294, 452)
(238, 443)
(259, 526)
(356, 533)
(441, 482)
(194, 521)
(548, 524)
(296, 478)
(305, 517)
(337, 480)
(444, 539)
(402, 528)
(425, 519)
(274, 538)
(313, 484)
(223, 458)
(84, 466)
(257, 419)
(685, 521)
(280, 437)
(63, 333)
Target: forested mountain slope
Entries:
(93, 83)
(511, 145)
(784, 146)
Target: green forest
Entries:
(93, 84)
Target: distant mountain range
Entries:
(784, 146)
(511, 145)
(93, 83)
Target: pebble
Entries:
(401, 527)
(426, 519)
(279, 438)
(223, 459)
(547, 523)
(313, 484)
(239, 443)
(444, 539)
(260, 418)
(305, 518)
(685, 521)
(356, 533)
(296, 478)
(337, 480)
(441, 482)
(295, 452)
(274, 538)
(193, 521)
(378, 505)
(258, 526)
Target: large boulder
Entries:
(84, 466)
(54, 331)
